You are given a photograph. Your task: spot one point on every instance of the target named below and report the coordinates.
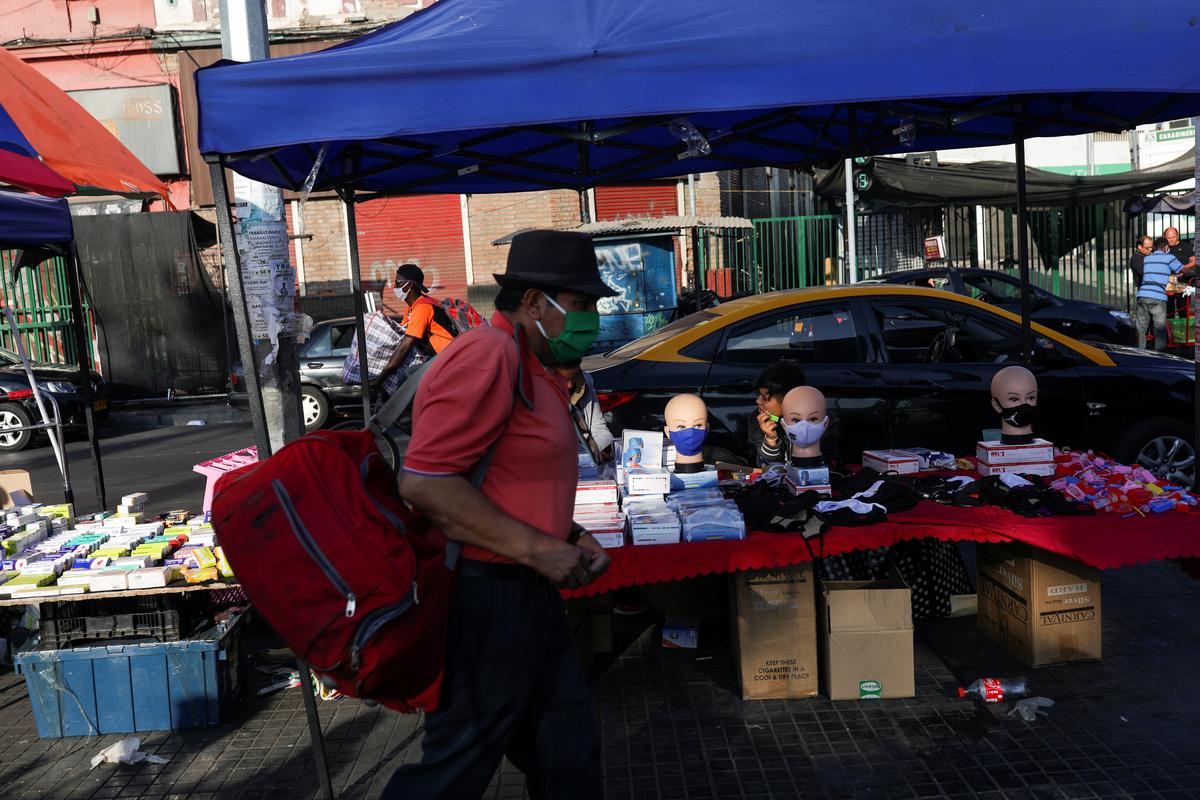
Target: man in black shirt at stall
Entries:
(1143, 248)
(1186, 253)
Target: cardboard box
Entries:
(1043, 607)
(1045, 468)
(13, 480)
(867, 639)
(997, 452)
(891, 461)
(775, 633)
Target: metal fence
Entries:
(776, 253)
(41, 304)
(1078, 252)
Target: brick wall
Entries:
(495, 215)
(326, 265)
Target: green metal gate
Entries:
(41, 303)
(776, 253)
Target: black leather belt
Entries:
(469, 568)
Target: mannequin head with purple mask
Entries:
(687, 426)
(1014, 398)
(805, 418)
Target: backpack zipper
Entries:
(375, 621)
(314, 551)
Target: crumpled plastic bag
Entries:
(1031, 708)
(126, 751)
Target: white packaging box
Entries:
(654, 529)
(890, 461)
(610, 540)
(135, 499)
(647, 481)
(132, 562)
(76, 577)
(110, 581)
(648, 455)
(1000, 453)
(150, 578)
(595, 492)
(1044, 468)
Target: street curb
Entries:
(178, 415)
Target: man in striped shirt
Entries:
(1157, 268)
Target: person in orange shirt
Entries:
(422, 331)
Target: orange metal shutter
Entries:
(622, 202)
(425, 230)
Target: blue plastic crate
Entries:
(142, 686)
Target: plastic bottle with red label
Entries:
(995, 690)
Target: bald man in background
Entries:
(1184, 251)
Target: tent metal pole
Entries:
(1023, 248)
(360, 306)
(237, 298)
(85, 371)
(851, 224)
(1196, 316)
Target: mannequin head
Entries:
(685, 415)
(805, 417)
(1014, 398)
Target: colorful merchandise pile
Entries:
(1116, 488)
(48, 552)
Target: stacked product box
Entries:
(1035, 458)
(705, 515)
(598, 511)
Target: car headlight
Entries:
(59, 387)
(1122, 316)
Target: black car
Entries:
(1078, 319)
(322, 357)
(18, 408)
(903, 367)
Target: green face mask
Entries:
(579, 331)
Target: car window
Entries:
(810, 336)
(341, 336)
(910, 330)
(318, 345)
(993, 288)
(639, 346)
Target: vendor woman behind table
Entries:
(765, 431)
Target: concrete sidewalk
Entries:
(673, 727)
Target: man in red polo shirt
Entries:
(513, 682)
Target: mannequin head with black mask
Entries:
(1014, 398)
(805, 419)
(687, 426)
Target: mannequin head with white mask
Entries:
(805, 419)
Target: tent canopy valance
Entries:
(28, 220)
(496, 95)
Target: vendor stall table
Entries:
(1099, 540)
(178, 587)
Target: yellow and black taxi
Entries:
(903, 366)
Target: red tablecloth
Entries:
(1101, 540)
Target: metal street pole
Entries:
(851, 233)
(266, 276)
(80, 329)
(1023, 248)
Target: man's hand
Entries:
(562, 564)
(598, 558)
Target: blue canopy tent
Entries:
(508, 95)
(40, 228)
(29, 220)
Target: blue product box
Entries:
(124, 688)
(693, 480)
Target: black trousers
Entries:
(513, 688)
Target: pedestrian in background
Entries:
(1157, 269)
(424, 335)
(1143, 248)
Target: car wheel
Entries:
(314, 407)
(13, 416)
(1165, 448)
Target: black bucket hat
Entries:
(411, 272)
(555, 260)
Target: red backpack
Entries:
(358, 585)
